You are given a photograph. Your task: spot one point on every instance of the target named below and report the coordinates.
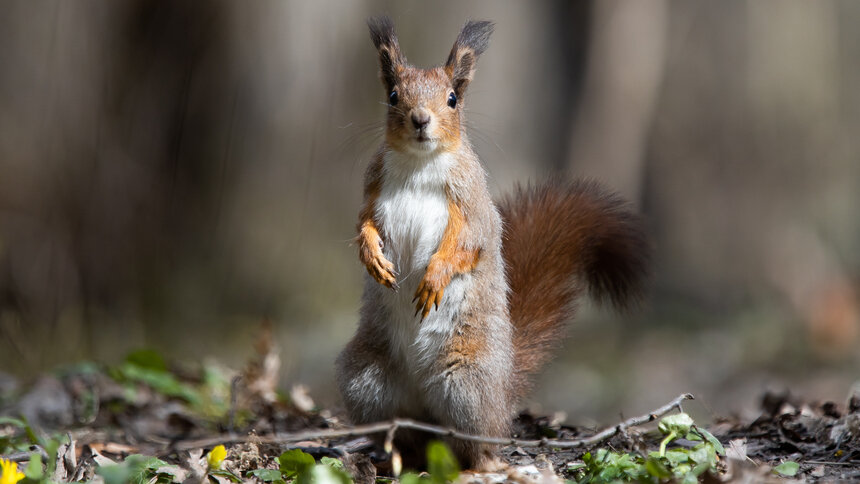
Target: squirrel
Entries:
(465, 300)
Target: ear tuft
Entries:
(471, 43)
(474, 35)
(391, 60)
(381, 30)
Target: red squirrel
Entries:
(465, 300)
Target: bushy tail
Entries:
(560, 237)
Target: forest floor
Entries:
(146, 421)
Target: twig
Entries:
(397, 424)
(831, 463)
(389, 437)
(231, 414)
(636, 421)
(25, 456)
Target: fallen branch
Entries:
(392, 426)
(26, 456)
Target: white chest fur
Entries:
(412, 210)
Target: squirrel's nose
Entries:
(420, 119)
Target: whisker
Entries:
(358, 143)
(479, 114)
(482, 136)
(362, 133)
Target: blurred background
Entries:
(174, 173)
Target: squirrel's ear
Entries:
(471, 43)
(391, 60)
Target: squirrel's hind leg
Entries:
(473, 389)
(372, 392)
(366, 380)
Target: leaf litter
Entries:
(128, 422)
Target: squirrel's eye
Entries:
(392, 98)
(452, 100)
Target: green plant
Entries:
(442, 466)
(300, 468)
(682, 464)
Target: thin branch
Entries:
(831, 463)
(25, 456)
(394, 425)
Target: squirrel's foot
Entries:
(432, 287)
(380, 268)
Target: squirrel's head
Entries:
(425, 106)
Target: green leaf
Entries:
(690, 478)
(266, 475)
(16, 422)
(147, 358)
(411, 478)
(607, 466)
(656, 468)
(682, 469)
(170, 473)
(114, 474)
(703, 454)
(702, 468)
(226, 475)
(441, 463)
(160, 478)
(294, 462)
(51, 447)
(142, 467)
(718, 446)
(136, 469)
(679, 423)
(677, 457)
(331, 462)
(323, 474)
(159, 380)
(31, 434)
(692, 435)
(788, 468)
(149, 368)
(34, 469)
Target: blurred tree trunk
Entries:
(133, 100)
(610, 127)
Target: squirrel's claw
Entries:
(439, 295)
(432, 288)
(382, 270)
(370, 254)
(427, 297)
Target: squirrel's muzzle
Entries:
(420, 118)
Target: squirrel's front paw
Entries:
(432, 287)
(380, 268)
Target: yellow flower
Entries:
(215, 457)
(10, 474)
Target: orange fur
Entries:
(445, 124)
(369, 241)
(464, 347)
(450, 259)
